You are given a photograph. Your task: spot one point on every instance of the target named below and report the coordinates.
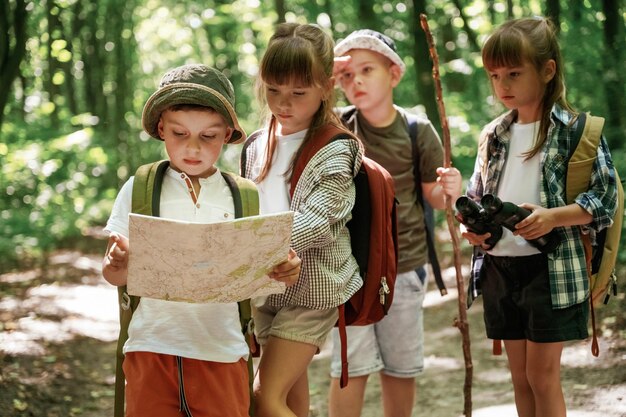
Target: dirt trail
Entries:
(58, 332)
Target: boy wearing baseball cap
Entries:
(183, 357)
(368, 68)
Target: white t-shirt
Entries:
(519, 184)
(205, 331)
(274, 189)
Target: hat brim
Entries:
(189, 93)
(370, 43)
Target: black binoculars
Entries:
(492, 214)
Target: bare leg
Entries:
(298, 399)
(543, 370)
(398, 395)
(283, 365)
(348, 401)
(524, 398)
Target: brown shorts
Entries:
(210, 389)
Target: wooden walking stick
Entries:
(461, 321)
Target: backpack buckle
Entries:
(125, 303)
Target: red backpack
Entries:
(373, 235)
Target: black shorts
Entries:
(517, 303)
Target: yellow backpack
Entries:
(601, 258)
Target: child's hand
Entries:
(288, 271)
(115, 262)
(118, 252)
(474, 239)
(450, 181)
(540, 222)
(339, 66)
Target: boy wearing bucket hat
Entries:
(184, 357)
(368, 68)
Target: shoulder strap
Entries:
(243, 160)
(584, 148)
(324, 136)
(346, 114)
(245, 195)
(429, 214)
(417, 175)
(483, 153)
(246, 202)
(584, 152)
(147, 188)
(145, 200)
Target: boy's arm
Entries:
(448, 183)
(115, 262)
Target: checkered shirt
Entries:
(322, 202)
(568, 274)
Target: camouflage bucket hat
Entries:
(193, 84)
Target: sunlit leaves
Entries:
(49, 187)
(72, 169)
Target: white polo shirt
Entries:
(205, 331)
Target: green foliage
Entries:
(53, 190)
(72, 128)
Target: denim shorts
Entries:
(517, 303)
(394, 345)
(295, 323)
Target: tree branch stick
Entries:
(461, 322)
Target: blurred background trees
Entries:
(74, 75)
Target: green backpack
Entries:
(146, 200)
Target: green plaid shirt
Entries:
(568, 273)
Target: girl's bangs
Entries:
(505, 50)
(288, 62)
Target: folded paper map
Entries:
(217, 262)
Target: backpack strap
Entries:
(145, 200)
(147, 188)
(580, 164)
(245, 195)
(246, 202)
(324, 136)
(429, 213)
(584, 151)
(243, 159)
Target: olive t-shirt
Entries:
(390, 146)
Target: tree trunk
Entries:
(366, 17)
(613, 67)
(423, 65)
(52, 89)
(471, 35)
(119, 11)
(280, 10)
(553, 11)
(69, 82)
(11, 57)
(94, 64)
